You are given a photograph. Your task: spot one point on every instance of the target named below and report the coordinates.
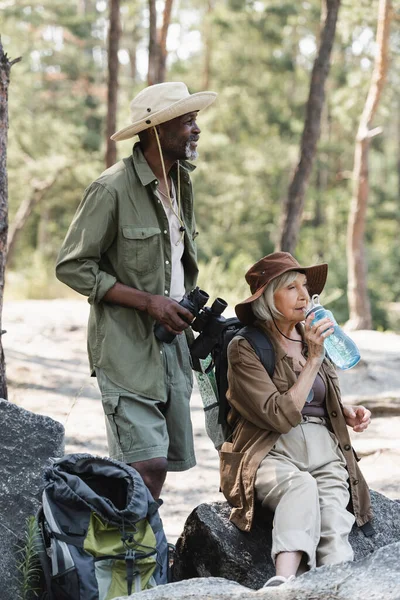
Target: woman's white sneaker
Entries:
(278, 580)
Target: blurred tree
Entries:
(359, 304)
(261, 60)
(39, 191)
(208, 42)
(57, 116)
(5, 68)
(294, 203)
(158, 42)
(114, 33)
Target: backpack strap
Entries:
(44, 559)
(367, 529)
(261, 345)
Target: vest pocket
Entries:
(141, 248)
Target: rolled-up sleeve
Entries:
(253, 393)
(91, 233)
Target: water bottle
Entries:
(340, 348)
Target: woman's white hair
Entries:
(264, 307)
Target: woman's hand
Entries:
(316, 334)
(357, 417)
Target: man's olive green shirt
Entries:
(120, 232)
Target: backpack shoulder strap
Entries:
(261, 345)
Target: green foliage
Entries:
(28, 564)
(261, 56)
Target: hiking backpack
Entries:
(100, 534)
(212, 375)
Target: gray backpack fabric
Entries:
(101, 534)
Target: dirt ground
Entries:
(47, 370)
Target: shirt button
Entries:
(355, 481)
(156, 183)
(334, 413)
(159, 201)
(166, 292)
(165, 231)
(347, 447)
(160, 351)
(167, 262)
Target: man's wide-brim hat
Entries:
(272, 266)
(162, 102)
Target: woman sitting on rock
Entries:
(290, 449)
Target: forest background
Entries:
(258, 56)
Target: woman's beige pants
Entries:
(304, 480)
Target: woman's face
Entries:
(292, 300)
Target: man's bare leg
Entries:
(153, 472)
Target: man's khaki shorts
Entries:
(140, 428)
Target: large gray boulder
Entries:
(27, 442)
(211, 546)
(376, 577)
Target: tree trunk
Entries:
(25, 209)
(158, 43)
(357, 292)
(162, 41)
(133, 62)
(114, 34)
(398, 168)
(5, 68)
(294, 204)
(208, 42)
(153, 45)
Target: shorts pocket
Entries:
(231, 476)
(141, 248)
(117, 420)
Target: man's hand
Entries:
(169, 313)
(357, 417)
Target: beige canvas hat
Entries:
(160, 103)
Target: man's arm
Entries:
(91, 233)
(164, 310)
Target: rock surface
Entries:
(376, 577)
(27, 442)
(211, 546)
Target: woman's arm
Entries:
(255, 396)
(314, 338)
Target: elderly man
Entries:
(131, 249)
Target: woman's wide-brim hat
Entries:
(270, 267)
(160, 103)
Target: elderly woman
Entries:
(290, 449)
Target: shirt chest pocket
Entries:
(141, 248)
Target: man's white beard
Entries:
(190, 154)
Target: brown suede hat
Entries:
(270, 267)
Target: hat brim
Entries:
(316, 279)
(192, 103)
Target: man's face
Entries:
(179, 137)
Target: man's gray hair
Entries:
(264, 307)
